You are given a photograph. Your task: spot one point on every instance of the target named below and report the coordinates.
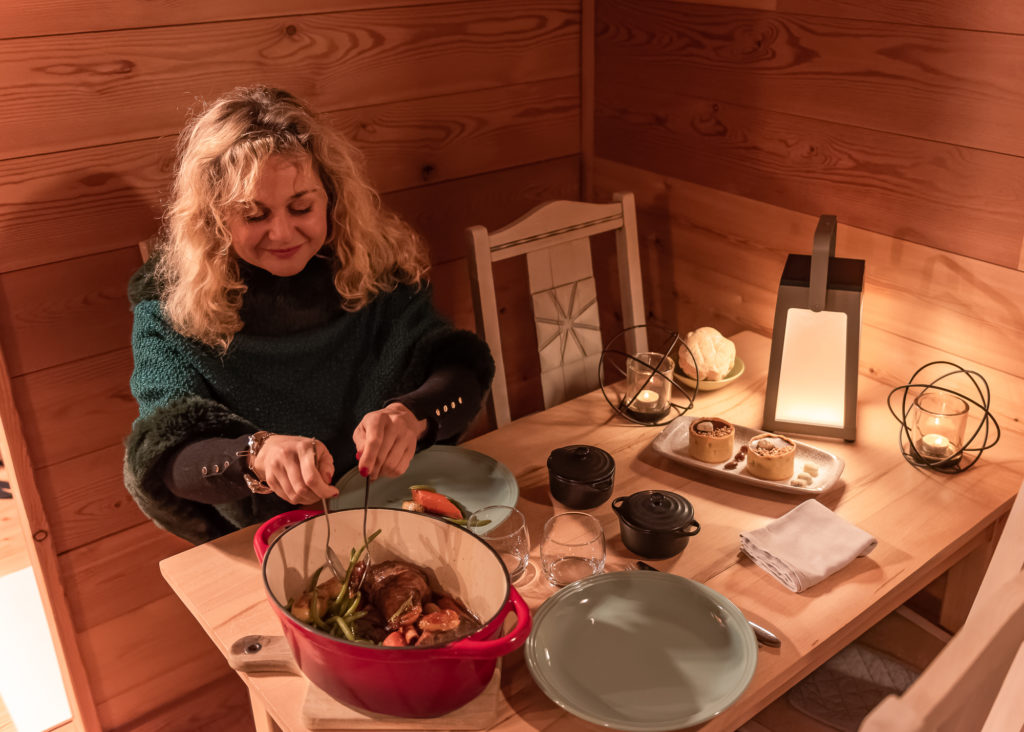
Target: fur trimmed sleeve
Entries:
(154, 438)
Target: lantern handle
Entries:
(824, 249)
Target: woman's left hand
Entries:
(386, 440)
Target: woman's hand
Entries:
(298, 469)
(386, 440)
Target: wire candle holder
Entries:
(933, 422)
(621, 361)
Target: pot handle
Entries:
(261, 539)
(691, 529)
(263, 654)
(468, 648)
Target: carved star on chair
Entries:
(568, 334)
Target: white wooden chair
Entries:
(977, 681)
(555, 239)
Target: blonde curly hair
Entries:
(220, 154)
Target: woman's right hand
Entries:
(298, 469)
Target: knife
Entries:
(763, 635)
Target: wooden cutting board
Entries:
(321, 711)
(271, 654)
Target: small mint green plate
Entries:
(473, 479)
(738, 367)
(641, 651)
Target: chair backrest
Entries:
(975, 682)
(555, 239)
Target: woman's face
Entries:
(286, 223)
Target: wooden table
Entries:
(925, 523)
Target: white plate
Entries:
(674, 443)
(473, 479)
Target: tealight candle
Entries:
(646, 398)
(935, 445)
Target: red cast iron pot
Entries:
(404, 682)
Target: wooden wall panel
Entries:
(76, 408)
(337, 61)
(106, 589)
(946, 84)
(21, 18)
(441, 212)
(725, 253)
(85, 498)
(66, 311)
(77, 203)
(453, 136)
(954, 198)
(145, 660)
(220, 704)
(999, 16)
(81, 202)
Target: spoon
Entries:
(763, 635)
(333, 560)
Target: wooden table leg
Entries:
(260, 716)
(964, 579)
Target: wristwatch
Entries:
(253, 481)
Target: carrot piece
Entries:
(436, 503)
(394, 639)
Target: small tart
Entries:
(770, 457)
(711, 439)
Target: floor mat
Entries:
(849, 685)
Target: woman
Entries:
(283, 332)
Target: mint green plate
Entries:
(471, 478)
(641, 651)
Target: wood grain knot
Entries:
(291, 30)
(106, 68)
(428, 171)
(41, 535)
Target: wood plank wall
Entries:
(468, 113)
(737, 123)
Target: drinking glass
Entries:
(572, 548)
(504, 530)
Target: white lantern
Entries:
(812, 372)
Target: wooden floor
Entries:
(12, 558)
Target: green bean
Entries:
(353, 605)
(316, 578)
(344, 628)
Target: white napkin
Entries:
(806, 545)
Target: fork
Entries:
(368, 562)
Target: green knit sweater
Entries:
(287, 371)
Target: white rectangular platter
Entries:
(674, 443)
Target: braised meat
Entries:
(398, 590)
